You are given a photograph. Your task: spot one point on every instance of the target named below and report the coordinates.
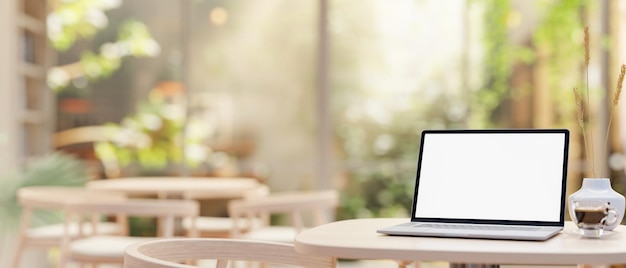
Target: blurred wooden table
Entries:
(179, 187)
(173, 187)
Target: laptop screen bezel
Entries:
(561, 220)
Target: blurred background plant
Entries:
(71, 22)
(382, 145)
(380, 120)
(52, 169)
(153, 141)
(497, 63)
(379, 136)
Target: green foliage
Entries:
(136, 39)
(97, 66)
(53, 169)
(498, 63)
(133, 40)
(379, 192)
(379, 118)
(382, 154)
(152, 137)
(560, 34)
(72, 21)
(557, 37)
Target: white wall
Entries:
(8, 122)
(7, 113)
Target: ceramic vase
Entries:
(598, 189)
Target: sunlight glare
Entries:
(418, 41)
(218, 16)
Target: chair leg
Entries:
(405, 264)
(17, 258)
(22, 237)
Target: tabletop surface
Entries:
(222, 187)
(357, 239)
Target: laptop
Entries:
(493, 184)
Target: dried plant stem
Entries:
(587, 58)
(580, 111)
(587, 54)
(616, 97)
(606, 138)
(592, 155)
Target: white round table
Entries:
(357, 239)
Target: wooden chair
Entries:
(170, 253)
(80, 141)
(320, 204)
(214, 226)
(53, 199)
(97, 249)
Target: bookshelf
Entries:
(25, 100)
(35, 100)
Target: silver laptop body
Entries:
(495, 184)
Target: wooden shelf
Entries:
(32, 70)
(33, 117)
(33, 121)
(32, 24)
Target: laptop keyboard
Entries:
(476, 227)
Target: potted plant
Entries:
(597, 187)
(53, 169)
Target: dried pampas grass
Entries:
(580, 107)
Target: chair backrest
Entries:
(320, 203)
(80, 141)
(219, 226)
(260, 190)
(166, 209)
(53, 199)
(57, 197)
(163, 253)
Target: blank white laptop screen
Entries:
(491, 176)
